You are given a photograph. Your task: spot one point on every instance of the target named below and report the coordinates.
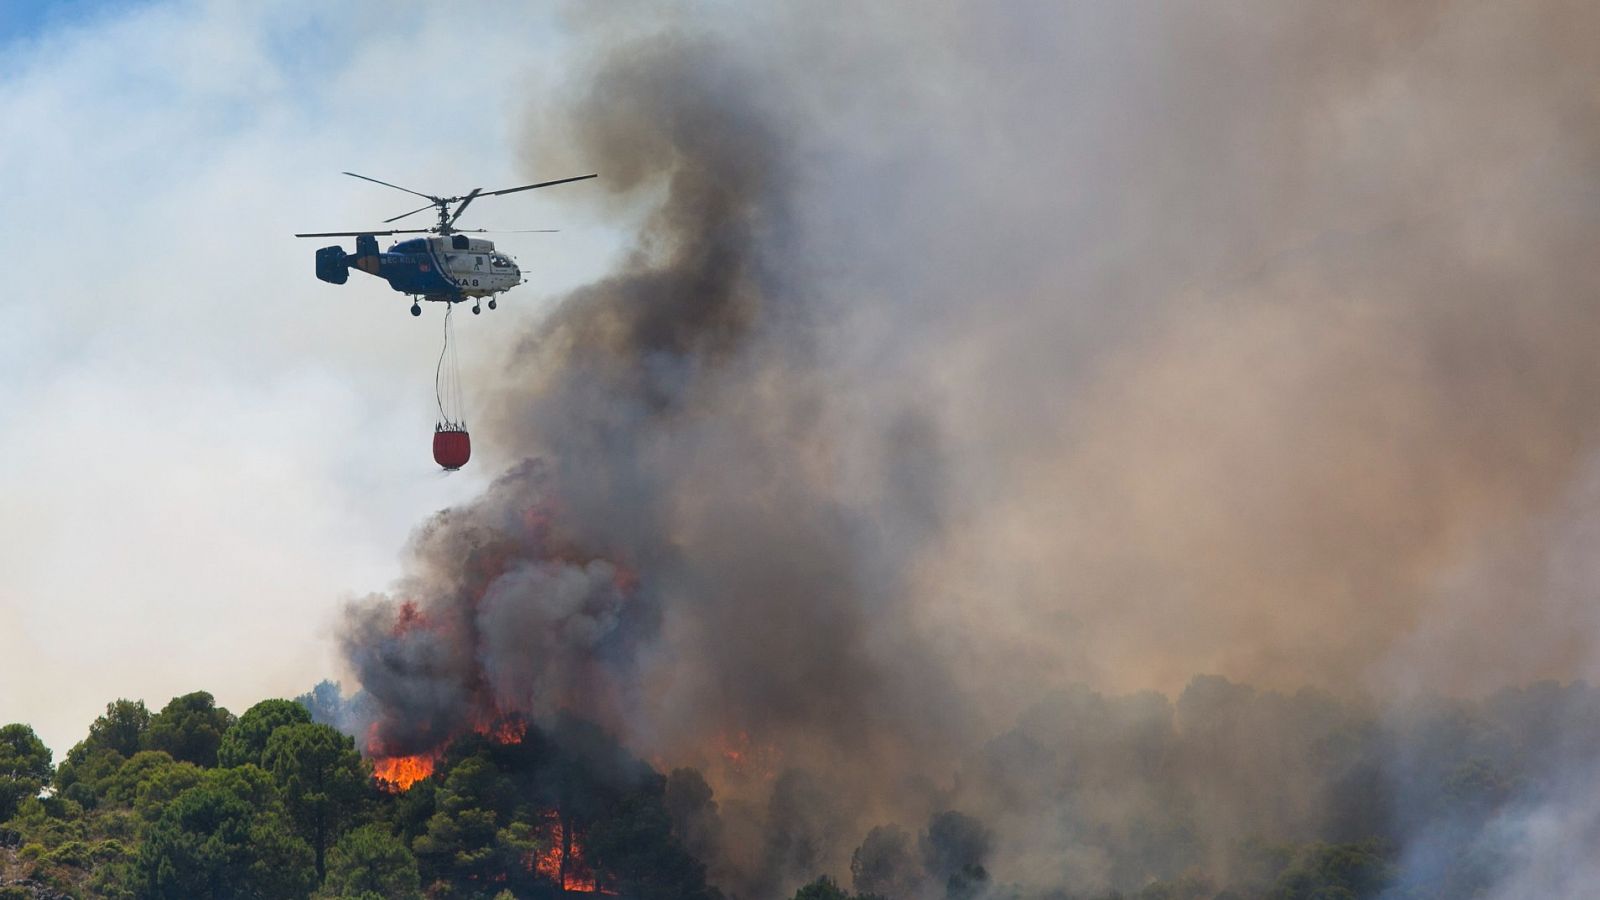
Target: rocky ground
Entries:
(15, 883)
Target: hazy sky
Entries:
(918, 359)
(206, 449)
(1251, 338)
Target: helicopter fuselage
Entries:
(443, 268)
(446, 267)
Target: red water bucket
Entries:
(452, 447)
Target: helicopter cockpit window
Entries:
(500, 261)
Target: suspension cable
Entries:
(452, 386)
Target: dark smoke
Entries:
(676, 558)
(966, 354)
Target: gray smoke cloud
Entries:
(968, 353)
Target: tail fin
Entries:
(366, 258)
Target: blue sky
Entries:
(22, 21)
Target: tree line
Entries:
(1228, 793)
(194, 802)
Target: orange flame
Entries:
(573, 873)
(743, 756)
(409, 619)
(399, 773)
(580, 877)
(503, 731)
(548, 863)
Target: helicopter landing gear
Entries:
(416, 310)
(491, 303)
(476, 309)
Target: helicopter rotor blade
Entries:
(529, 187)
(465, 201)
(443, 203)
(360, 233)
(395, 186)
(507, 230)
(412, 213)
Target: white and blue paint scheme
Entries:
(442, 268)
(445, 267)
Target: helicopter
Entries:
(447, 267)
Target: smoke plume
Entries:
(965, 355)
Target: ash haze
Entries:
(929, 394)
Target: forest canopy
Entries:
(1226, 794)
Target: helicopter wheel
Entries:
(491, 303)
(416, 310)
(475, 309)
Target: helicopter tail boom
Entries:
(334, 265)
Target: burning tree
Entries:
(541, 812)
